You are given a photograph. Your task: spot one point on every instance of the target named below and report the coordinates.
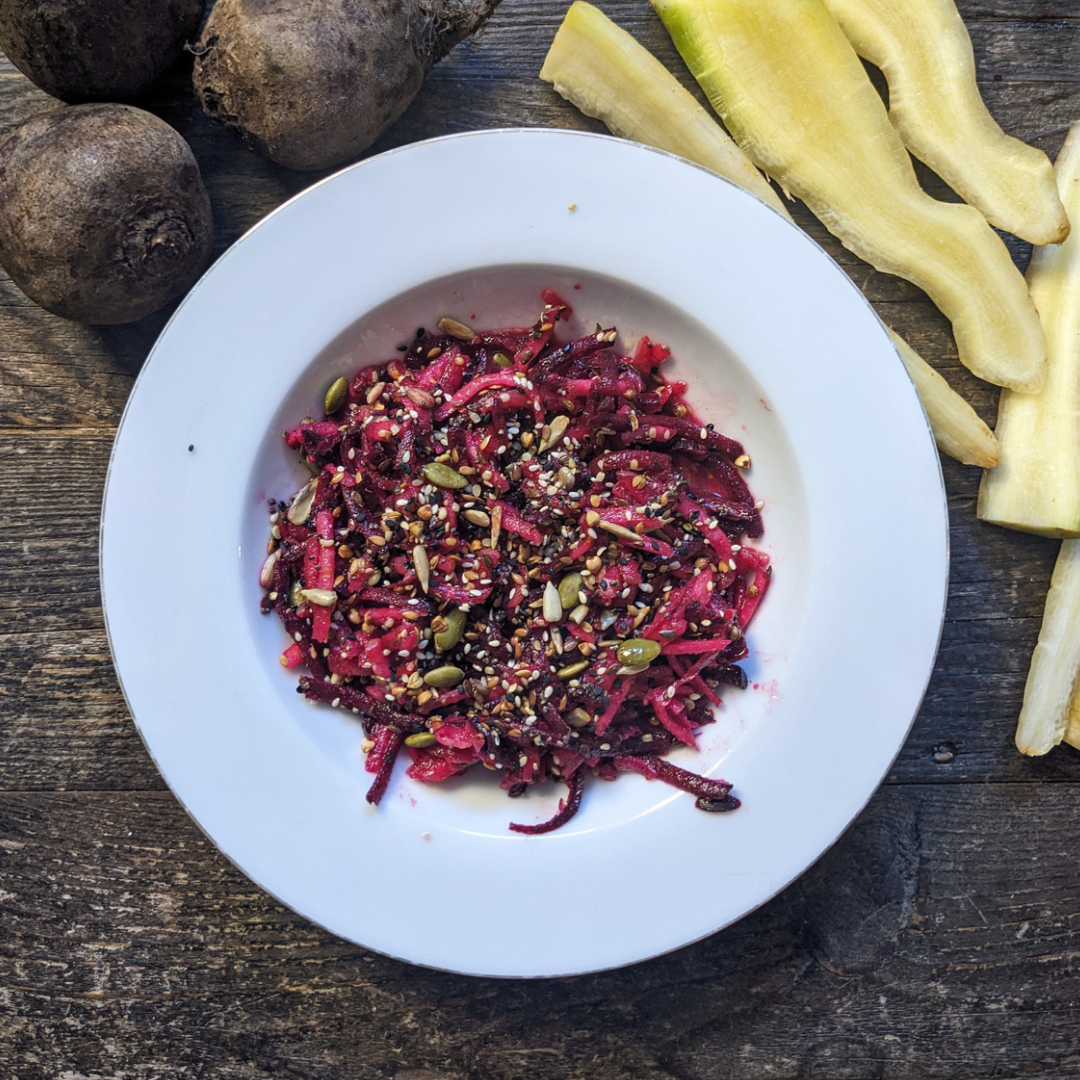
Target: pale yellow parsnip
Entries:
(924, 51)
(602, 70)
(957, 429)
(1044, 716)
(1072, 730)
(796, 98)
(1036, 485)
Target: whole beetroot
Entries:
(313, 85)
(103, 214)
(96, 50)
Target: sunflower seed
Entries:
(423, 566)
(555, 433)
(266, 574)
(319, 597)
(300, 507)
(552, 606)
(618, 530)
(419, 397)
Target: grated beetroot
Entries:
(426, 573)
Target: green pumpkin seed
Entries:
(453, 328)
(445, 676)
(295, 590)
(443, 476)
(455, 627)
(421, 738)
(571, 670)
(336, 395)
(569, 588)
(503, 360)
(638, 651)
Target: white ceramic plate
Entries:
(782, 352)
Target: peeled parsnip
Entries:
(1036, 487)
(924, 52)
(796, 98)
(602, 70)
(1072, 731)
(957, 429)
(1044, 716)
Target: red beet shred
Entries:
(519, 553)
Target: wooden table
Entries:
(939, 938)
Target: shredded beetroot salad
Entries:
(522, 554)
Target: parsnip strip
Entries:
(1044, 716)
(1036, 487)
(601, 69)
(957, 429)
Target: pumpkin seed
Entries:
(453, 328)
(442, 677)
(336, 395)
(300, 507)
(503, 360)
(421, 738)
(294, 593)
(571, 670)
(552, 603)
(569, 588)
(443, 476)
(635, 652)
(450, 635)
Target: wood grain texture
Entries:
(901, 954)
(939, 939)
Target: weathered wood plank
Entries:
(65, 722)
(53, 486)
(901, 954)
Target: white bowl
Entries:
(781, 351)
